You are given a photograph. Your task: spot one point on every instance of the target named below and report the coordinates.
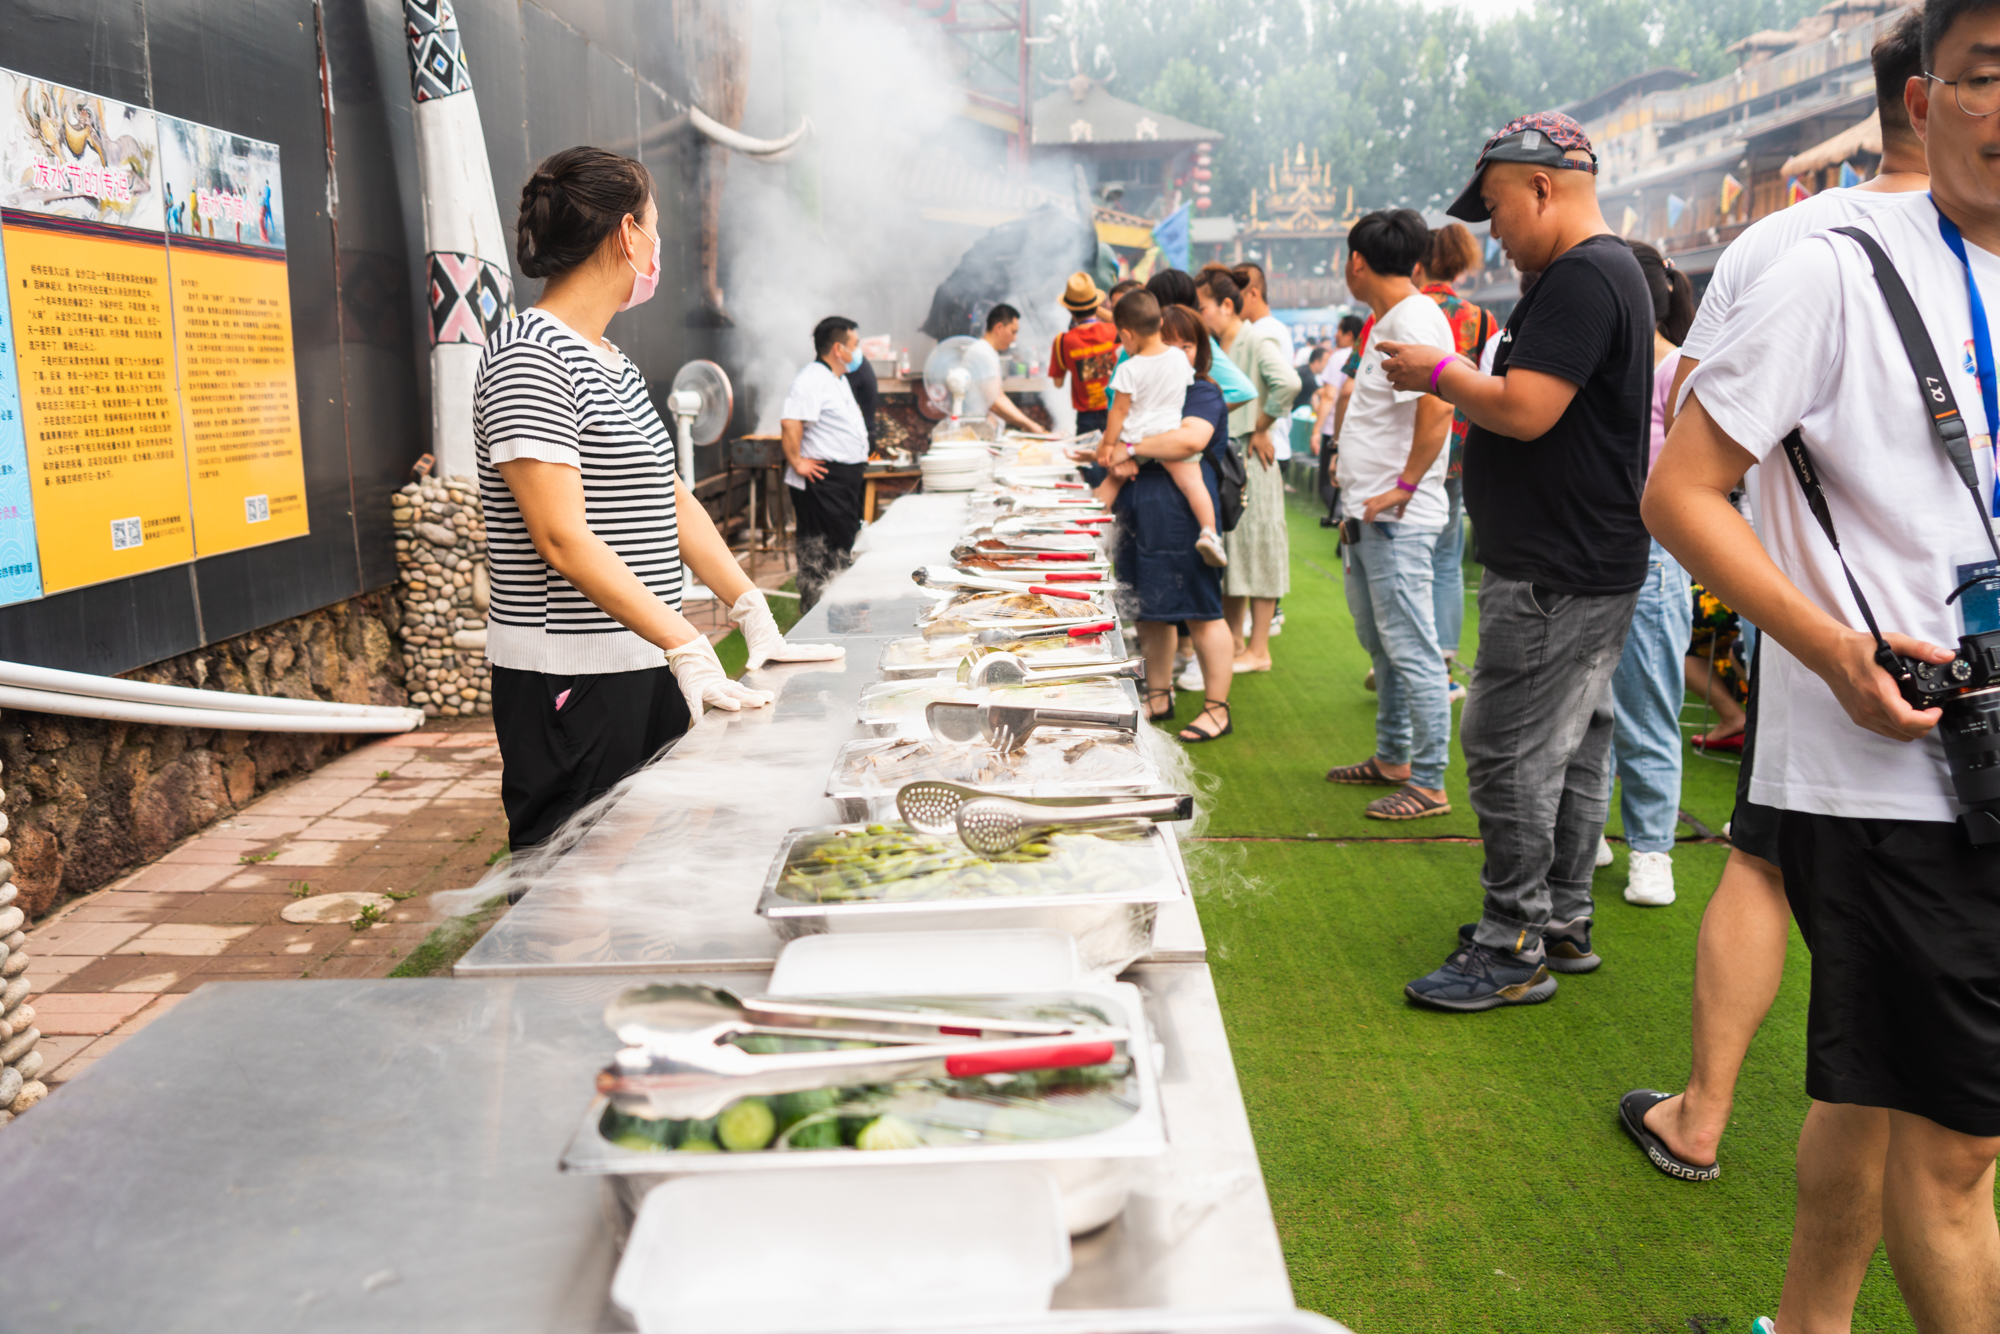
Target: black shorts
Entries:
(1752, 828)
(1903, 921)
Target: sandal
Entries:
(1632, 1109)
(1732, 743)
(1366, 773)
(1405, 803)
(1193, 735)
(1153, 694)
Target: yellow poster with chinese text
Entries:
(233, 324)
(95, 351)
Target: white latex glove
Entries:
(703, 681)
(752, 614)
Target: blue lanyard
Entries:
(1982, 348)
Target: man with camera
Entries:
(1889, 846)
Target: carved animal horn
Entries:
(766, 149)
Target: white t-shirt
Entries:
(1157, 386)
(1375, 435)
(835, 430)
(1810, 343)
(1754, 251)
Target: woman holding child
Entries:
(1153, 483)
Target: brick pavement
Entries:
(407, 815)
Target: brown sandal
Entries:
(1367, 773)
(1405, 803)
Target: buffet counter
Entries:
(382, 1156)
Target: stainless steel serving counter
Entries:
(381, 1156)
(668, 878)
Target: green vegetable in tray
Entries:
(698, 1146)
(889, 1131)
(882, 863)
(747, 1125)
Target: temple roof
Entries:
(1099, 118)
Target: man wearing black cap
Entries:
(1555, 463)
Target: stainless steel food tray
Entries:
(1111, 931)
(1089, 1169)
(901, 712)
(915, 656)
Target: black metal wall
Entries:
(547, 76)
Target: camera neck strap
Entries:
(1947, 424)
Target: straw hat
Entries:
(1081, 294)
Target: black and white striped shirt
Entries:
(544, 393)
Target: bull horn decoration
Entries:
(766, 150)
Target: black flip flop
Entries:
(1632, 1109)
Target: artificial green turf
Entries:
(1311, 712)
(1442, 1172)
(1435, 1172)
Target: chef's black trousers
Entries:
(567, 740)
(829, 517)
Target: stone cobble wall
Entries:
(441, 558)
(19, 1061)
(87, 800)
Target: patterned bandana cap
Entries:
(1541, 139)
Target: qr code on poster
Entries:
(256, 509)
(126, 534)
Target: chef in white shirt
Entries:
(826, 449)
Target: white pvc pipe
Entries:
(129, 711)
(25, 677)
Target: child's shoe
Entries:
(1210, 547)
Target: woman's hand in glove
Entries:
(703, 681)
(752, 614)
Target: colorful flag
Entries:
(1170, 234)
(1849, 177)
(1795, 191)
(1630, 221)
(1675, 207)
(1732, 190)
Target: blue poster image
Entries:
(20, 570)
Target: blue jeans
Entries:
(1389, 592)
(1646, 696)
(1448, 569)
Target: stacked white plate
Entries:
(946, 468)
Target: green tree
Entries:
(1395, 96)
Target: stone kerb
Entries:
(441, 562)
(20, 1062)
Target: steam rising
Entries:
(890, 144)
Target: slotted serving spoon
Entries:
(931, 806)
(991, 826)
(1007, 669)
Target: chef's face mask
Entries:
(643, 284)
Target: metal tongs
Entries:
(678, 1062)
(1008, 726)
(997, 667)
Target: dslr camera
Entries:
(1968, 690)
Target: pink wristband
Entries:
(1405, 487)
(1438, 370)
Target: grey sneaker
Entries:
(1567, 945)
(1477, 977)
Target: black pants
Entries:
(567, 740)
(829, 517)
(1328, 493)
(1091, 419)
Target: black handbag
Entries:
(1230, 481)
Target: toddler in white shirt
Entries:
(1152, 385)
